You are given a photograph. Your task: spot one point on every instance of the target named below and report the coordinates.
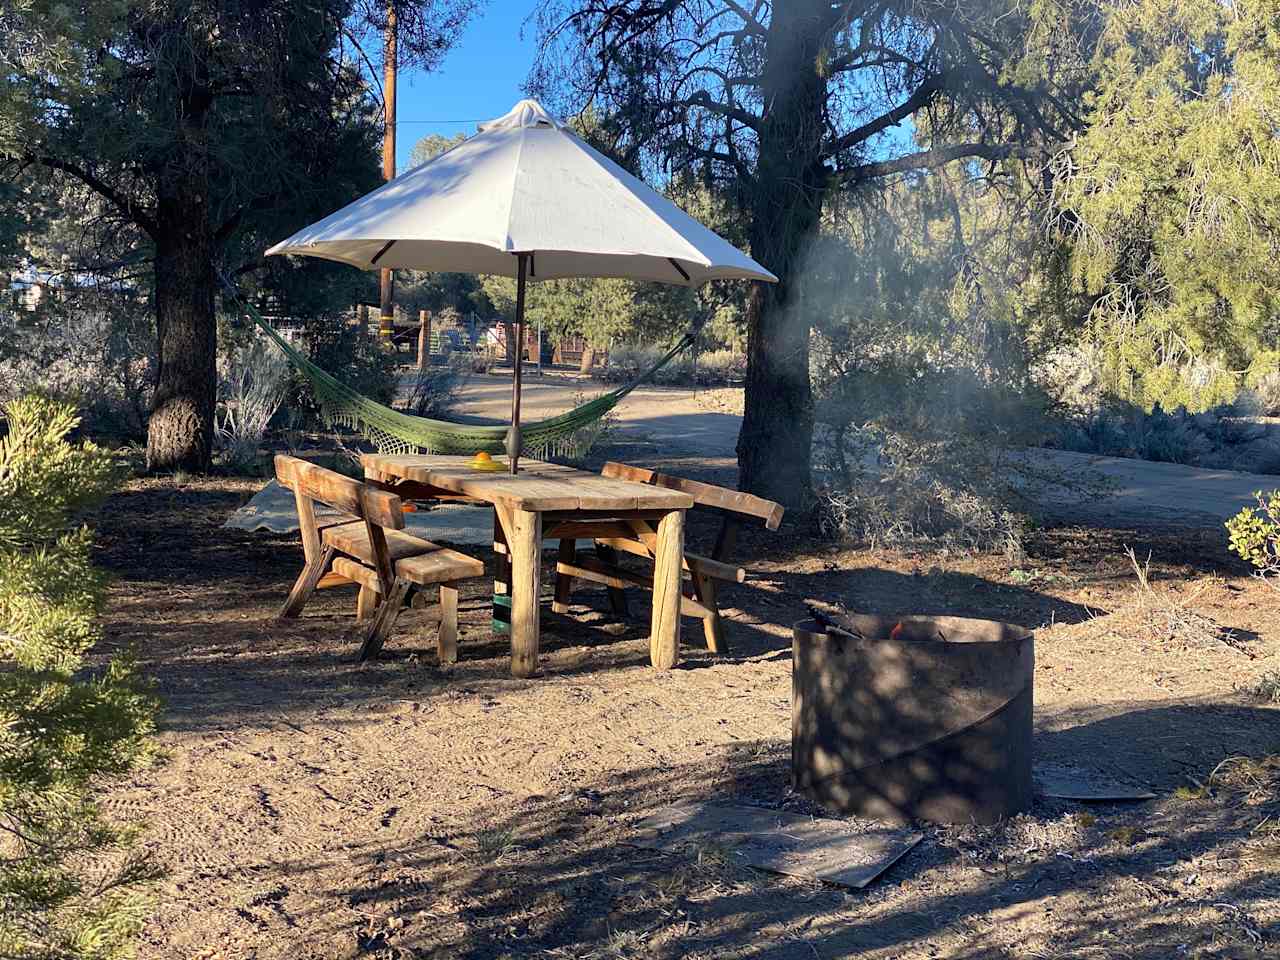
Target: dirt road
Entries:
(680, 424)
(671, 416)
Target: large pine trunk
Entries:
(180, 431)
(777, 425)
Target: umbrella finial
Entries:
(526, 113)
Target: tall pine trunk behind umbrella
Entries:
(777, 426)
(180, 431)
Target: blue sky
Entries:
(480, 78)
(483, 76)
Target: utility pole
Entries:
(386, 319)
(424, 340)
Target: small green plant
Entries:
(69, 881)
(1125, 836)
(493, 845)
(1254, 534)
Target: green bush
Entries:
(346, 352)
(910, 453)
(1254, 534)
(69, 882)
(713, 368)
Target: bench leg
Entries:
(384, 620)
(617, 596)
(366, 603)
(704, 588)
(564, 582)
(447, 641)
(305, 585)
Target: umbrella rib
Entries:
(378, 256)
(679, 269)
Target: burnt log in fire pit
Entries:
(913, 718)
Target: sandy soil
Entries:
(314, 808)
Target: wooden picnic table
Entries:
(528, 508)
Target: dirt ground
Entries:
(310, 807)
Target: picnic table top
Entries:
(539, 487)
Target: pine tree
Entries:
(70, 886)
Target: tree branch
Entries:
(131, 211)
(703, 99)
(922, 97)
(754, 25)
(930, 159)
(732, 159)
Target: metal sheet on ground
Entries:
(273, 509)
(781, 842)
(1077, 783)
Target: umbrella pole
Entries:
(513, 435)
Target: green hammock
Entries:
(394, 432)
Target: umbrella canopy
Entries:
(524, 197)
(525, 184)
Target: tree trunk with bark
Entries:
(777, 425)
(180, 432)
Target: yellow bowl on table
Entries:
(482, 461)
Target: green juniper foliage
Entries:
(69, 885)
(1171, 198)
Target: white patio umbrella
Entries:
(524, 197)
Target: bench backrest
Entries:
(733, 504)
(704, 494)
(311, 483)
(344, 494)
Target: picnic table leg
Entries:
(305, 585)
(664, 629)
(617, 596)
(524, 540)
(447, 641)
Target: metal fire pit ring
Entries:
(931, 724)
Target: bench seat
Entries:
(368, 546)
(353, 540)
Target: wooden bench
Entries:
(702, 574)
(367, 547)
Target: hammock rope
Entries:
(394, 432)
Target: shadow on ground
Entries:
(316, 808)
(199, 603)
(558, 877)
